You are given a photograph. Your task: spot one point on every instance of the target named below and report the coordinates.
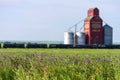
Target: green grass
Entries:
(59, 64)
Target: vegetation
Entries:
(59, 64)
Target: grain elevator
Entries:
(93, 33)
(93, 27)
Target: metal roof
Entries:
(107, 26)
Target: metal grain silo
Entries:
(108, 34)
(80, 38)
(68, 37)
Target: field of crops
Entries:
(59, 64)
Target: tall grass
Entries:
(59, 64)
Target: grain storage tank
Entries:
(80, 38)
(93, 27)
(68, 37)
(108, 34)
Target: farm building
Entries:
(94, 31)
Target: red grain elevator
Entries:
(93, 27)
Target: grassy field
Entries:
(59, 64)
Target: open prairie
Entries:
(59, 64)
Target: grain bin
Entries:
(80, 38)
(68, 37)
(108, 34)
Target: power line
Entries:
(75, 24)
(105, 22)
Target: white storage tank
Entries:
(68, 37)
(80, 38)
(108, 35)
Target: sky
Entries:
(46, 20)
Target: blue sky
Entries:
(37, 20)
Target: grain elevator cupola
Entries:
(93, 27)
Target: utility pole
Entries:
(75, 37)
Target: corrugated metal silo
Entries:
(68, 37)
(80, 38)
(108, 34)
